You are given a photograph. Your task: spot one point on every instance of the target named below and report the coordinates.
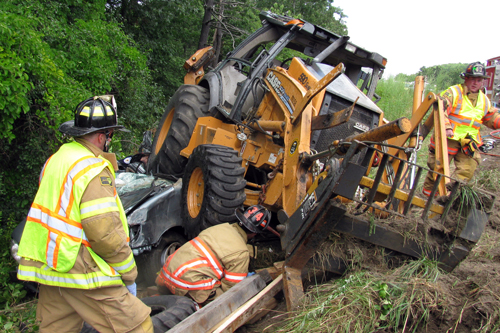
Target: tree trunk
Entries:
(217, 44)
(205, 25)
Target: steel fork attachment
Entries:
(323, 211)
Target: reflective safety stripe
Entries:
(451, 151)
(174, 280)
(183, 284)
(234, 277)
(77, 170)
(464, 121)
(428, 192)
(191, 264)
(97, 207)
(67, 227)
(207, 253)
(124, 266)
(47, 276)
(496, 124)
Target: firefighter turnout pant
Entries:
(465, 165)
(111, 309)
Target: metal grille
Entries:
(360, 116)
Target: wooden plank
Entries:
(250, 308)
(210, 315)
(270, 305)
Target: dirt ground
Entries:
(471, 290)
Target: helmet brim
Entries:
(463, 76)
(246, 223)
(70, 129)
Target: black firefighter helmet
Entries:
(256, 218)
(92, 115)
(475, 69)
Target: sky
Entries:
(413, 34)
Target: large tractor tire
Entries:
(166, 312)
(212, 188)
(189, 103)
(150, 263)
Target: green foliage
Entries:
(396, 98)
(363, 303)
(322, 13)
(443, 76)
(56, 54)
(166, 31)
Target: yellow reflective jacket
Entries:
(465, 117)
(76, 204)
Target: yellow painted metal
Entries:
(400, 195)
(205, 132)
(418, 92)
(195, 192)
(318, 87)
(268, 125)
(442, 161)
(194, 65)
(164, 131)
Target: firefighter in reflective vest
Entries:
(467, 108)
(216, 260)
(75, 242)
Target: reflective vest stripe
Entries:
(124, 266)
(194, 263)
(207, 253)
(97, 207)
(464, 121)
(486, 104)
(71, 228)
(234, 277)
(77, 170)
(183, 284)
(457, 105)
(47, 276)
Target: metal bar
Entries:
(395, 185)
(413, 190)
(451, 198)
(431, 198)
(378, 177)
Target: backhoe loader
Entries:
(289, 120)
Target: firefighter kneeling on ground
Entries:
(216, 260)
(75, 241)
(467, 108)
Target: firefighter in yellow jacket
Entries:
(467, 108)
(216, 260)
(75, 242)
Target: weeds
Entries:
(401, 301)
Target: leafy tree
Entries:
(166, 31)
(320, 12)
(443, 76)
(53, 55)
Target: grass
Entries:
(401, 300)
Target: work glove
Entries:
(132, 289)
(250, 274)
